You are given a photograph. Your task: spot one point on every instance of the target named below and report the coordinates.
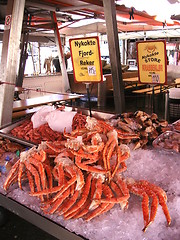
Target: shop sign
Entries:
(152, 62)
(86, 59)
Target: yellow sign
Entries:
(152, 62)
(86, 60)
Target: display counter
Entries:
(38, 85)
(158, 166)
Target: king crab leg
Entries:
(35, 173)
(31, 181)
(143, 187)
(84, 195)
(102, 207)
(84, 166)
(123, 154)
(12, 175)
(59, 201)
(68, 204)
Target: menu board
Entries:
(152, 61)
(86, 59)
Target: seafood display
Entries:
(9, 153)
(81, 174)
(138, 129)
(169, 140)
(148, 127)
(35, 135)
(176, 126)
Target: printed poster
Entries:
(152, 62)
(86, 59)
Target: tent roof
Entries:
(72, 12)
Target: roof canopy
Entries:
(87, 16)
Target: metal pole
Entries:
(89, 98)
(166, 106)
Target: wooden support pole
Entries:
(114, 53)
(10, 57)
(60, 53)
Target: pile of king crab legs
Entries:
(82, 175)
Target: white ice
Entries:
(159, 167)
(39, 118)
(58, 120)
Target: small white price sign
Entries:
(155, 78)
(91, 70)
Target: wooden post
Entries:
(23, 55)
(114, 53)
(10, 57)
(60, 53)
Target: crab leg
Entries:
(82, 154)
(49, 175)
(95, 192)
(109, 155)
(12, 175)
(40, 156)
(35, 173)
(161, 196)
(41, 171)
(117, 190)
(59, 189)
(164, 208)
(154, 207)
(58, 173)
(84, 210)
(20, 172)
(105, 152)
(128, 136)
(57, 147)
(88, 168)
(31, 181)
(68, 204)
(102, 207)
(93, 148)
(145, 202)
(120, 158)
(118, 199)
(59, 201)
(85, 192)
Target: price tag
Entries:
(155, 78)
(91, 70)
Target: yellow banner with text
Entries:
(86, 59)
(152, 62)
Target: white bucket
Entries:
(174, 93)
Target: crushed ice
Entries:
(159, 167)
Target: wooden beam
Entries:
(114, 53)
(60, 53)
(10, 57)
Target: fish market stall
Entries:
(149, 174)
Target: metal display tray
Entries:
(5, 130)
(26, 213)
